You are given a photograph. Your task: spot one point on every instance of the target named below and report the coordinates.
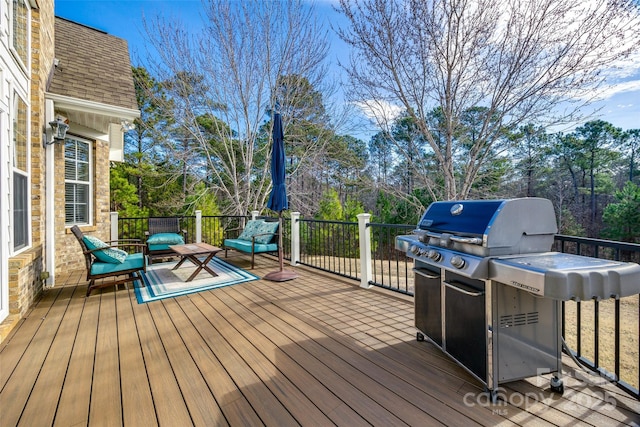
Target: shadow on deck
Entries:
(317, 350)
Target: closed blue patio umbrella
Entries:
(278, 198)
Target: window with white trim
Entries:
(21, 172)
(77, 184)
(20, 33)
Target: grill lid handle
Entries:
(470, 240)
(445, 239)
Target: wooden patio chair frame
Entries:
(90, 259)
(163, 225)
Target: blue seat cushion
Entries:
(245, 246)
(165, 239)
(133, 261)
(161, 247)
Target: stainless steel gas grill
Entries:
(488, 292)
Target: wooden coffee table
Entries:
(191, 251)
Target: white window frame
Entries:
(71, 139)
(24, 173)
(12, 22)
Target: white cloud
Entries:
(379, 111)
(609, 90)
(625, 68)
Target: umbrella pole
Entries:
(282, 274)
(280, 251)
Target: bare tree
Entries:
(514, 61)
(238, 60)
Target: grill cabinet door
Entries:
(465, 322)
(428, 303)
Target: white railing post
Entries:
(295, 238)
(114, 225)
(365, 249)
(254, 214)
(198, 226)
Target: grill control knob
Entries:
(434, 255)
(457, 261)
(415, 250)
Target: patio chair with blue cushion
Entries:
(258, 236)
(107, 259)
(162, 233)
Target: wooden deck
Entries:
(317, 350)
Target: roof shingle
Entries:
(93, 66)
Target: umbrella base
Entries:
(280, 276)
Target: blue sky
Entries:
(124, 19)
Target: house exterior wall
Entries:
(24, 268)
(68, 254)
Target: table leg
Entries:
(205, 264)
(183, 258)
(201, 265)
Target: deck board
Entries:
(333, 353)
(318, 350)
(73, 403)
(29, 326)
(270, 341)
(106, 372)
(200, 403)
(385, 378)
(231, 401)
(167, 396)
(258, 355)
(29, 367)
(137, 401)
(323, 365)
(41, 409)
(267, 407)
(315, 393)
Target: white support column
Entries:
(114, 225)
(198, 226)
(50, 220)
(365, 249)
(295, 238)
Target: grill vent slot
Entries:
(520, 319)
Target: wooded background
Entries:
(479, 88)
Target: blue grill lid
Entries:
(462, 218)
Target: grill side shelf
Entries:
(567, 277)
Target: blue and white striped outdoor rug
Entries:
(161, 282)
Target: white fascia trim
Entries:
(67, 102)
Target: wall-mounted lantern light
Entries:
(59, 131)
